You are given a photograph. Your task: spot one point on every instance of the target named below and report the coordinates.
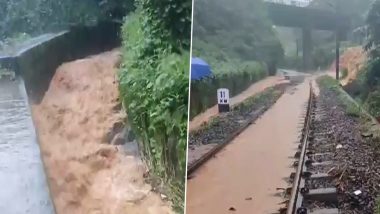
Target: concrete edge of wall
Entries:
(37, 63)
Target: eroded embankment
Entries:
(87, 174)
(352, 60)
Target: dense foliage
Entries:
(238, 41)
(366, 87)
(40, 16)
(203, 92)
(229, 32)
(372, 45)
(368, 82)
(154, 86)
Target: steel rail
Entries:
(296, 197)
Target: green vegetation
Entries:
(351, 108)
(323, 56)
(41, 16)
(373, 40)
(343, 73)
(239, 52)
(265, 98)
(372, 103)
(229, 33)
(367, 124)
(154, 87)
(366, 88)
(203, 93)
(377, 206)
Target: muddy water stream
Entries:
(86, 174)
(244, 176)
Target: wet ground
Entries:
(23, 182)
(255, 88)
(321, 149)
(227, 124)
(356, 160)
(87, 175)
(245, 174)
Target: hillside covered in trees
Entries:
(230, 33)
(40, 16)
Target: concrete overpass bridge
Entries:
(289, 13)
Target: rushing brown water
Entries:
(255, 88)
(244, 176)
(86, 175)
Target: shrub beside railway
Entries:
(203, 92)
(154, 88)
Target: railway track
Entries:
(335, 166)
(313, 189)
(233, 125)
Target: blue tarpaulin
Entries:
(199, 69)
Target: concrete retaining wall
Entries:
(38, 62)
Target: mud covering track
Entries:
(243, 177)
(255, 88)
(23, 182)
(87, 175)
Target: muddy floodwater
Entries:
(243, 177)
(86, 174)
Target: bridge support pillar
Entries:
(337, 57)
(307, 47)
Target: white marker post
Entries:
(223, 95)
